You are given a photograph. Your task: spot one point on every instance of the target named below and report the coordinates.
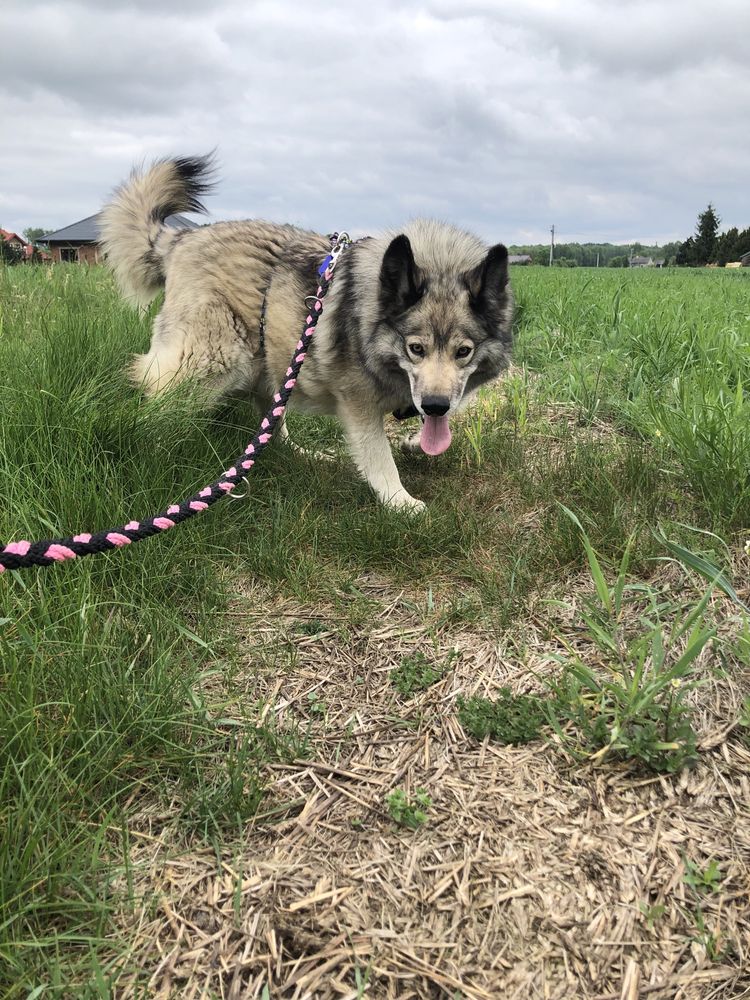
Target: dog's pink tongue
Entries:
(436, 435)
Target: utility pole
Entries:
(597, 259)
(552, 246)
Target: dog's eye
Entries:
(463, 352)
(417, 349)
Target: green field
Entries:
(139, 683)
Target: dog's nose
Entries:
(435, 406)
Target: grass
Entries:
(704, 881)
(632, 704)
(629, 405)
(666, 360)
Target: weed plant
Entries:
(406, 811)
(627, 698)
(415, 673)
(508, 718)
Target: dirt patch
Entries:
(532, 876)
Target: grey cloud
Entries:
(108, 60)
(615, 121)
(638, 38)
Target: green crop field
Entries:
(589, 526)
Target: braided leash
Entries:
(23, 554)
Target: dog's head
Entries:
(446, 309)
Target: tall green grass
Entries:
(101, 703)
(664, 354)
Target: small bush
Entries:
(509, 719)
(623, 717)
(633, 705)
(415, 673)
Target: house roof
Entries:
(7, 236)
(87, 230)
(519, 258)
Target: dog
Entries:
(414, 322)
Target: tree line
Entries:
(709, 246)
(706, 246)
(587, 254)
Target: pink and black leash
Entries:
(23, 554)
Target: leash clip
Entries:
(339, 243)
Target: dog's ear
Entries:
(486, 282)
(400, 278)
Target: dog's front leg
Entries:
(372, 454)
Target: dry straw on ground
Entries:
(533, 877)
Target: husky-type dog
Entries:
(414, 321)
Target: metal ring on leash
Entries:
(240, 496)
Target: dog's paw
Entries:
(405, 502)
(320, 456)
(310, 454)
(410, 444)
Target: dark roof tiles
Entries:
(87, 230)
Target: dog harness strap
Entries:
(262, 324)
(23, 554)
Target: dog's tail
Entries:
(132, 227)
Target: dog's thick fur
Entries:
(420, 318)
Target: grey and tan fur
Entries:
(421, 317)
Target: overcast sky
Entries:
(616, 120)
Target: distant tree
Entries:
(686, 255)
(603, 251)
(726, 246)
(742, 245)
(620, 261)
(669, 252)
(565, 262)
(34, 233)
(706, 232)
(571, 251)
(9, 254)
